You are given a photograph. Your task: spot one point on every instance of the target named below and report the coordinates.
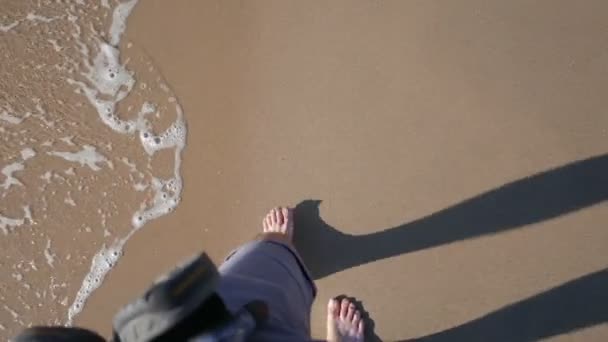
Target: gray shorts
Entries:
(274, 273)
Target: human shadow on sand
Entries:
(542, 196)
(577, 304)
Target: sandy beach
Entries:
(448, 160)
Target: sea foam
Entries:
(92, 147)
(106, 83)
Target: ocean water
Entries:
(91, 138)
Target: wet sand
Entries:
(417, 116)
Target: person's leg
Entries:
(270, 269)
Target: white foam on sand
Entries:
(27, 153)
(101, 264)
(140, 186)
(11, 119)
(50, 257)
(69, 201)
(104, 81)
(88, 156)
(8, 171)
(35, 17)
(108, 82)
(119, 20)
(11, 311)
(7, 224)
(47, 176)
(8, 27)
(108, 78)
(68, 140)
(55, 45)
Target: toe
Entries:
(333, 308)
(344, 308)
(286, 216)
(274, 216)
(351, 312)
(269, 221)
(360, 329)
(280, 217)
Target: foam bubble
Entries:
(110, 83)
(165, 200)
(108, 75)
(111, 80)
(173, 137)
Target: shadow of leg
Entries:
(577, 304)
(317, 242)
(514, 205)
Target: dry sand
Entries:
(415, 116)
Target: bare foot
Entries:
(279, 221)
(344, 323)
